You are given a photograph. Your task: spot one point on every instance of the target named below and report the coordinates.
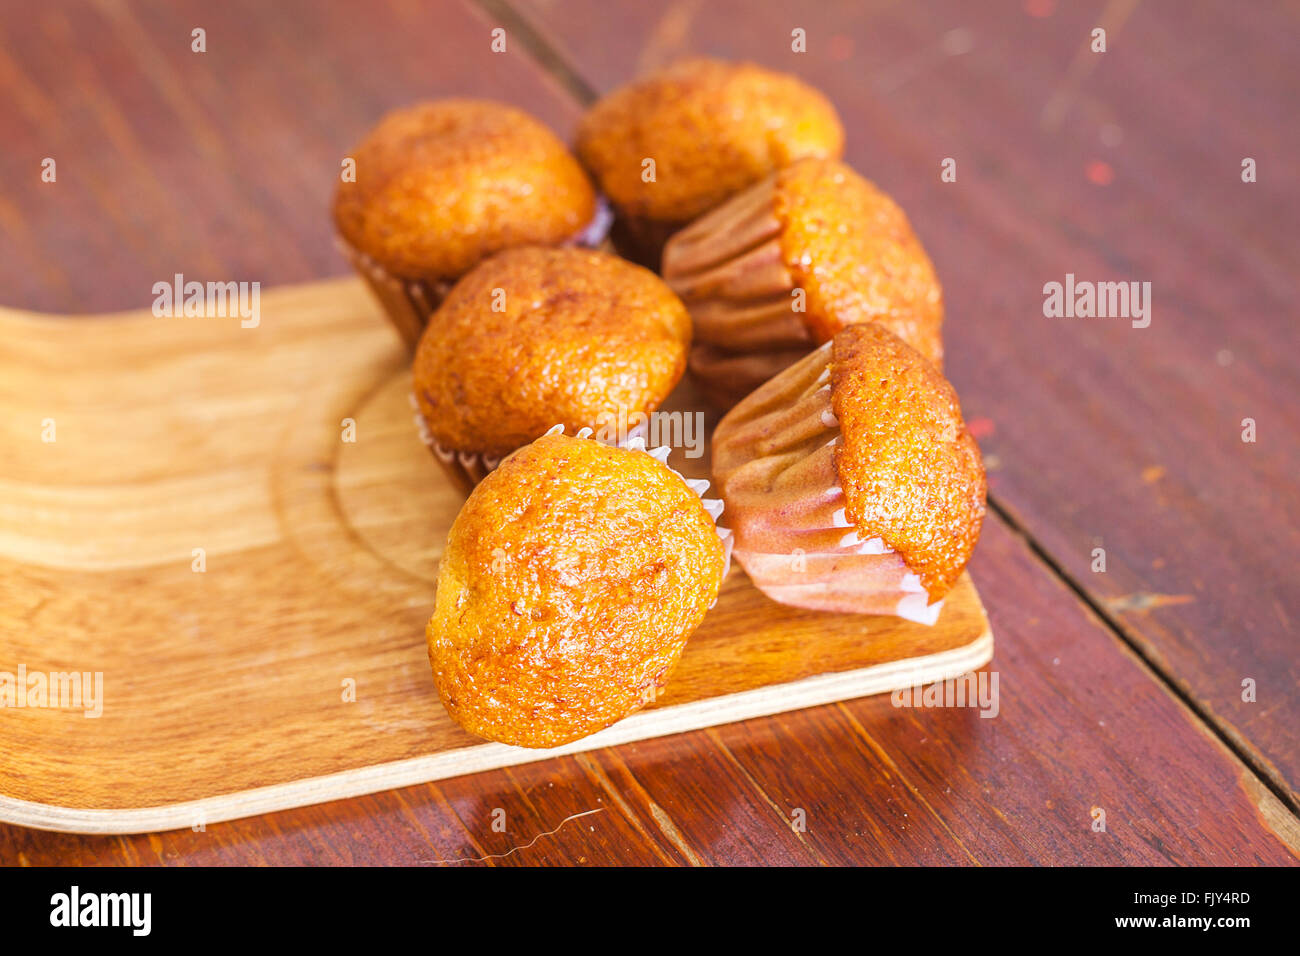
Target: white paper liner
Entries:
(466, 469)
(594, 233)
(774, 461)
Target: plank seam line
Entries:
(539, 49)
(1226, 738)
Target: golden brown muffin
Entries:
(572, 578)
(712, 129)
(850, 481)
(789, 262)
(537, 337)
(440, 186)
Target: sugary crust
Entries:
(712, 129)
(910, 471)
(442, 185)
(536, 337)
(572, 578)
(852, 250)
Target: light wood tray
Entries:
(223, 691)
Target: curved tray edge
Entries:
(660, 722)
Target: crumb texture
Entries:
(852, 250)
(538, 337)
(572, 578)
(712, 128)
(910, 471)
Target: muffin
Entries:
(535, 337)
(782, 267)
(850, 481)
(572, 578)
(712, 129)
(441, 186)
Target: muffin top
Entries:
(712, 129)
(910, 471)
(852, 250)
(572, 577)
(537, 337)
(442, 185)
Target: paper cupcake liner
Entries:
(714, 506)
(641, 240)
(467, 469)
(409, 303)
(728, 269)
(774, 461)
(726, 377)
(595, 233)
(732, 252)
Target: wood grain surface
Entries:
(287, 664)
(1120, 691)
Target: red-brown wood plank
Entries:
(1117, 166)
(1081, 724)
(228, 166)
(219, 164)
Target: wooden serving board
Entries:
(225, 690)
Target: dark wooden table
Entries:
(1121, 690)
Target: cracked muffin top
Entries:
(572, 578)
(711, 127)
(536, 337)
(441, 185)
(852, 249)
(910, 471)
